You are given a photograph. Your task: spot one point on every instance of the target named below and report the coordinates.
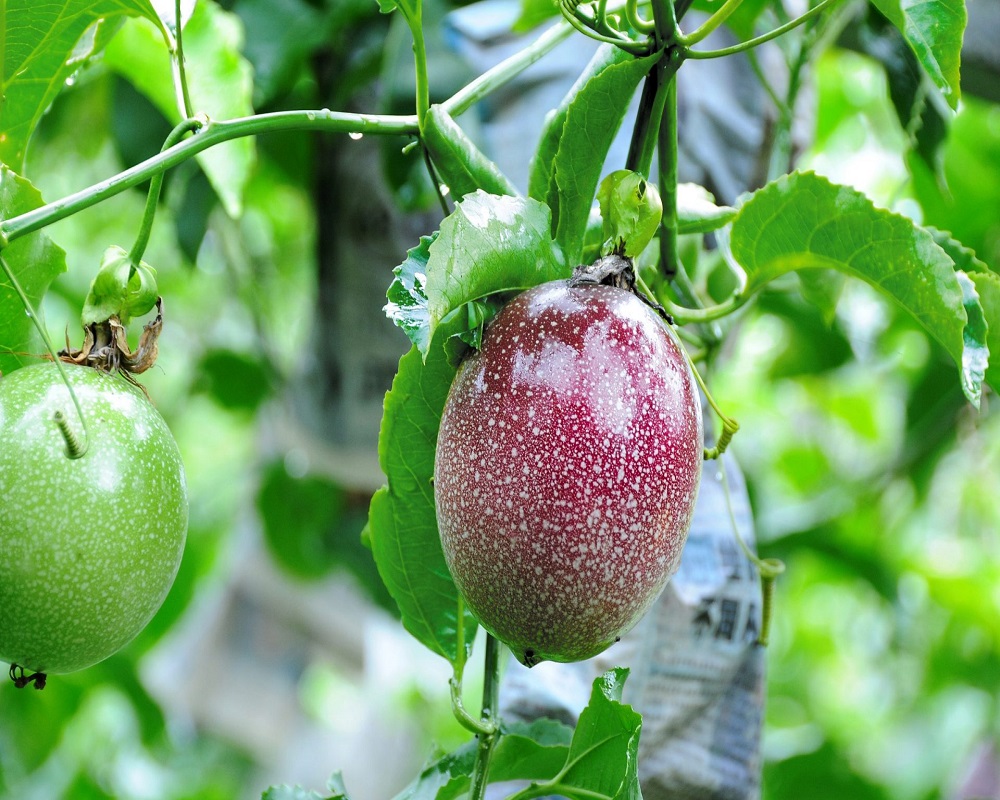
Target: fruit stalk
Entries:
(491, 702)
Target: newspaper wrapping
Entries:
(696, 669)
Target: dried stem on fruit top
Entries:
(106, 347)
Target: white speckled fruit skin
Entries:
(567, 467)
(89, 547)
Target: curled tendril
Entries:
(598, 27)
(635, 20)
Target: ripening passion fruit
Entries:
(567, 468)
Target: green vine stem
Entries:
(711, 24)
(155, 185)
(435, 180)
(670, 259)
(654, 103)
(808, 46)
(691, 316)
(768, 568)
(211, 134)
(74, 447)
(491, 700)
(665, 21)
(216, 132)
(506, 70)
(819, 8)
(480, 727)
(423, 86)
(780, 161)
(178, 67)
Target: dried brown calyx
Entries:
(615, 270)
(106, 347)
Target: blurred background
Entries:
(277, 657)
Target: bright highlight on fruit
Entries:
(567, 468)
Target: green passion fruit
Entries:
(90, 544)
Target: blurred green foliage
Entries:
(878, 485)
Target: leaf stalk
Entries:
(179, 69)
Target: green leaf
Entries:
(603, 756)
(534, 13)
(697, 211)
(533, 751)
(42, 49)
(237, 381)
(478, 314)
(823, 289)
(576, 139)
(934, 29)
(631, 210)
(118, 291)
(965, 258)
(407, 295)
(988, 289)
(982, 304)
(976, 352)
(335, 791)
(489, 244)
(460, 164)
(335, 784)
(281, 37)
(35, 262)
(219, 79)
(802, 221)
(408, 8)
(918, 105)
(402, 522)
(541, 177)
(300, 519)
